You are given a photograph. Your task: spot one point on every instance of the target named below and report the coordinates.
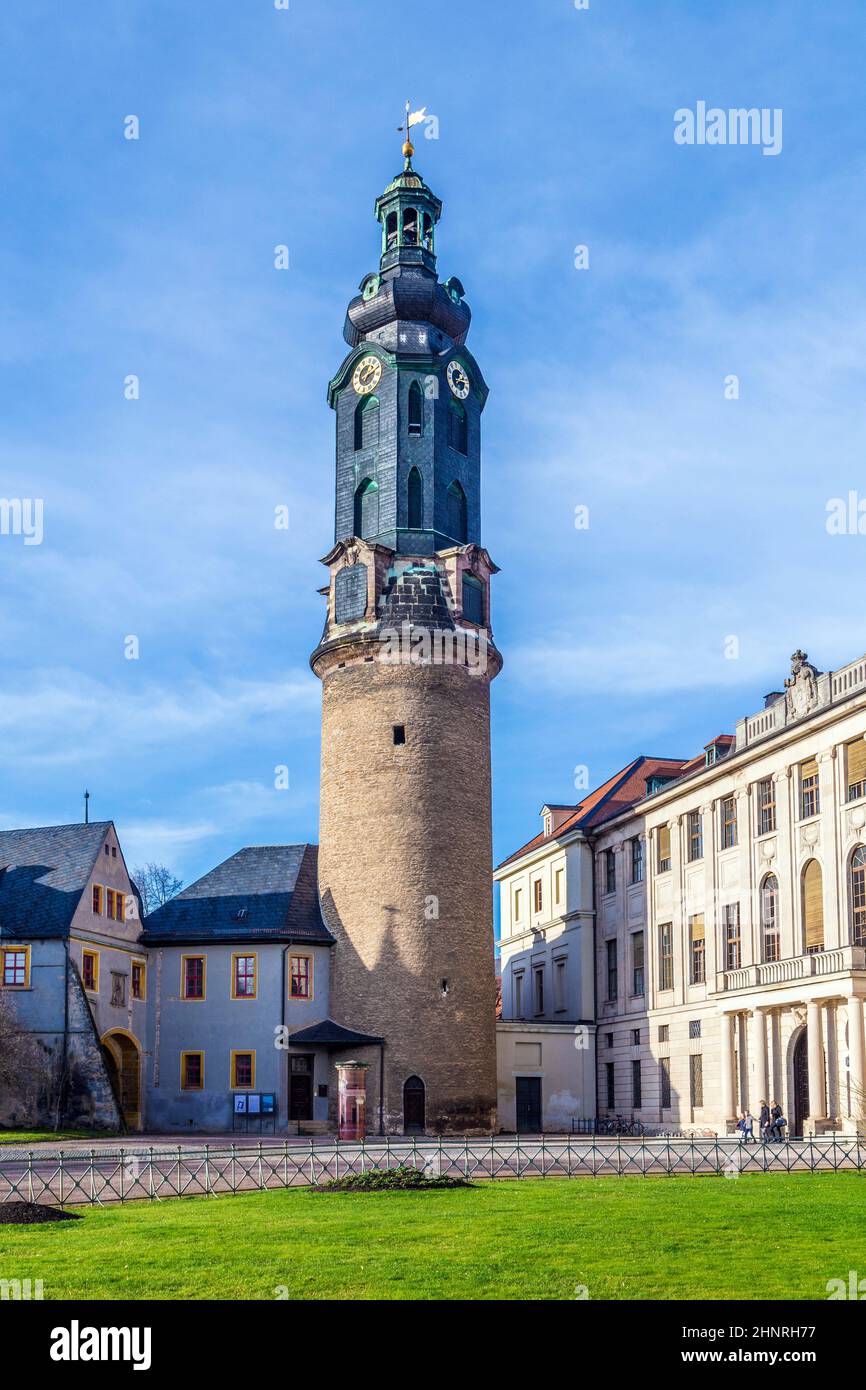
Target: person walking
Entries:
(764, 1122)
(747, 1127)
(777, 1121)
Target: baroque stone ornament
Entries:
(801, 688)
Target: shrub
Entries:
(402, 1179)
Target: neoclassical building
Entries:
(727, 904)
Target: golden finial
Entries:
(412, 118)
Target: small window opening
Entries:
(399, 733)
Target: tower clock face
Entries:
(458, 381)
(365, 377)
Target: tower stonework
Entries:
(406, 659)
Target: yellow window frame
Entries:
(245, 955)
(193, 998)
(11, 949)
(233, 1078)
(183, 1057)
(94, 955)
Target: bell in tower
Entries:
(406, 659)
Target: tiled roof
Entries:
(267, 892)
(43, 873)
(613, 797)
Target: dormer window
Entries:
(548, 823)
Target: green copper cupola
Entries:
(408, 212)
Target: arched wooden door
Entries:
(801, 1083)
(414, 1106)
(123, 1060)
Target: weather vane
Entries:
(412, 118)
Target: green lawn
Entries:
(762, 1236)
(50, 1136)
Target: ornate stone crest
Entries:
(801, 689)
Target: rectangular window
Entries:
(90, 971)
(810, 797)
(665, 1082)
(399, 731)
(664, 859)
(635, 1037)
(536, 896)
(637, 860)
(192, 1071)
(855, 763)
(694, 1027)
(766, 806)
(115, 903)
(138, 980)
(558, 879)
(609, 871)
(118, 989)
(666, 955)
(243, 977)
(301, 977)
(97, 899)
(518, 995)
(731, 922)
(696, 835)
(559, 997)
(635, 1085)
(611, 970)
(608, 1038)
(696, 1080)
(729, 822)
(518, 904)
(638, 983)
(193, 977)
(16, 967)
(539, 989)
(243, 1076)
(611, 1085)
(697, 949)
(664, 1032)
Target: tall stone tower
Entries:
(406, 659)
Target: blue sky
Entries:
(155, 257)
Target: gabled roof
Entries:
(43, 873)
(331, 1034)
(613, 797)
(262, 893)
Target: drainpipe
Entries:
(283, 983)
(381, 1089)
(61, 1107)
(595, 967)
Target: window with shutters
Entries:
(858, 896)
(666, 955)
(729, 822)
(416, 410)
(697, 949)
(766, 806)
(455, 507)
(664, 854)
(367, 423)
(696, 1080)
(770, 917)
(367, 509)
(458, 428)
(810, 798)
(414, 500)
(695, 835)
(813, 908)
(473, 600)
(665, 1082)
(855, 763)
(731, 923)
(638, 984)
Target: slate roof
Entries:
(262, 893)
(330, 1034)
(43, 873)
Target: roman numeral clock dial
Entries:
(458, 381)
(366, 375)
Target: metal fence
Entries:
(98, 1176)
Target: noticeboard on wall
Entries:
(253, 1111)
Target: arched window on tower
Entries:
(428, 231)
(458, 433)
(455, 521)
(410, 227)
(473, 600)
(416, 410)
(813, 908)
(858, 896)
(367, 422)
(414, 500)
(367, 509)
(770, 917)
(390, 231)
(413, 1105)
